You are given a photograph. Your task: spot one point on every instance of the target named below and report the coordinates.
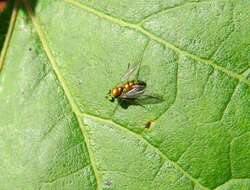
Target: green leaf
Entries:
(59, 132)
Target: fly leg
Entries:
(113, 113)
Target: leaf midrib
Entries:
(138, 136)
(78, 114)
(62, 82)
(152, 36)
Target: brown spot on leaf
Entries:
(149, 124)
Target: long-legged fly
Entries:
(131, 91)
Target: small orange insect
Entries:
(127, 91)
(131, 91)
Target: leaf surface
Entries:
(59, 132)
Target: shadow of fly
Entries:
(132, 92)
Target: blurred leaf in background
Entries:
(6, 7)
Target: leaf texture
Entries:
(59, 132)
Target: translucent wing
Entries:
(131, 70)
(136, 92)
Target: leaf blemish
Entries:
(149, 124)
(108, 183)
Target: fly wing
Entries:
(136, 92)
(130, 71)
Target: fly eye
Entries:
(108, 94)
(110, 97)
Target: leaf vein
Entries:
(62, 82)
(156, 149)
(69, 174)
(158, 39)
(170, 9)
(228, 102)
(227, 36)
(158, 171)
(176, 91)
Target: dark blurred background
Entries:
(6, 8)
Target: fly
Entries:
(130, 91)
(127, 91)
